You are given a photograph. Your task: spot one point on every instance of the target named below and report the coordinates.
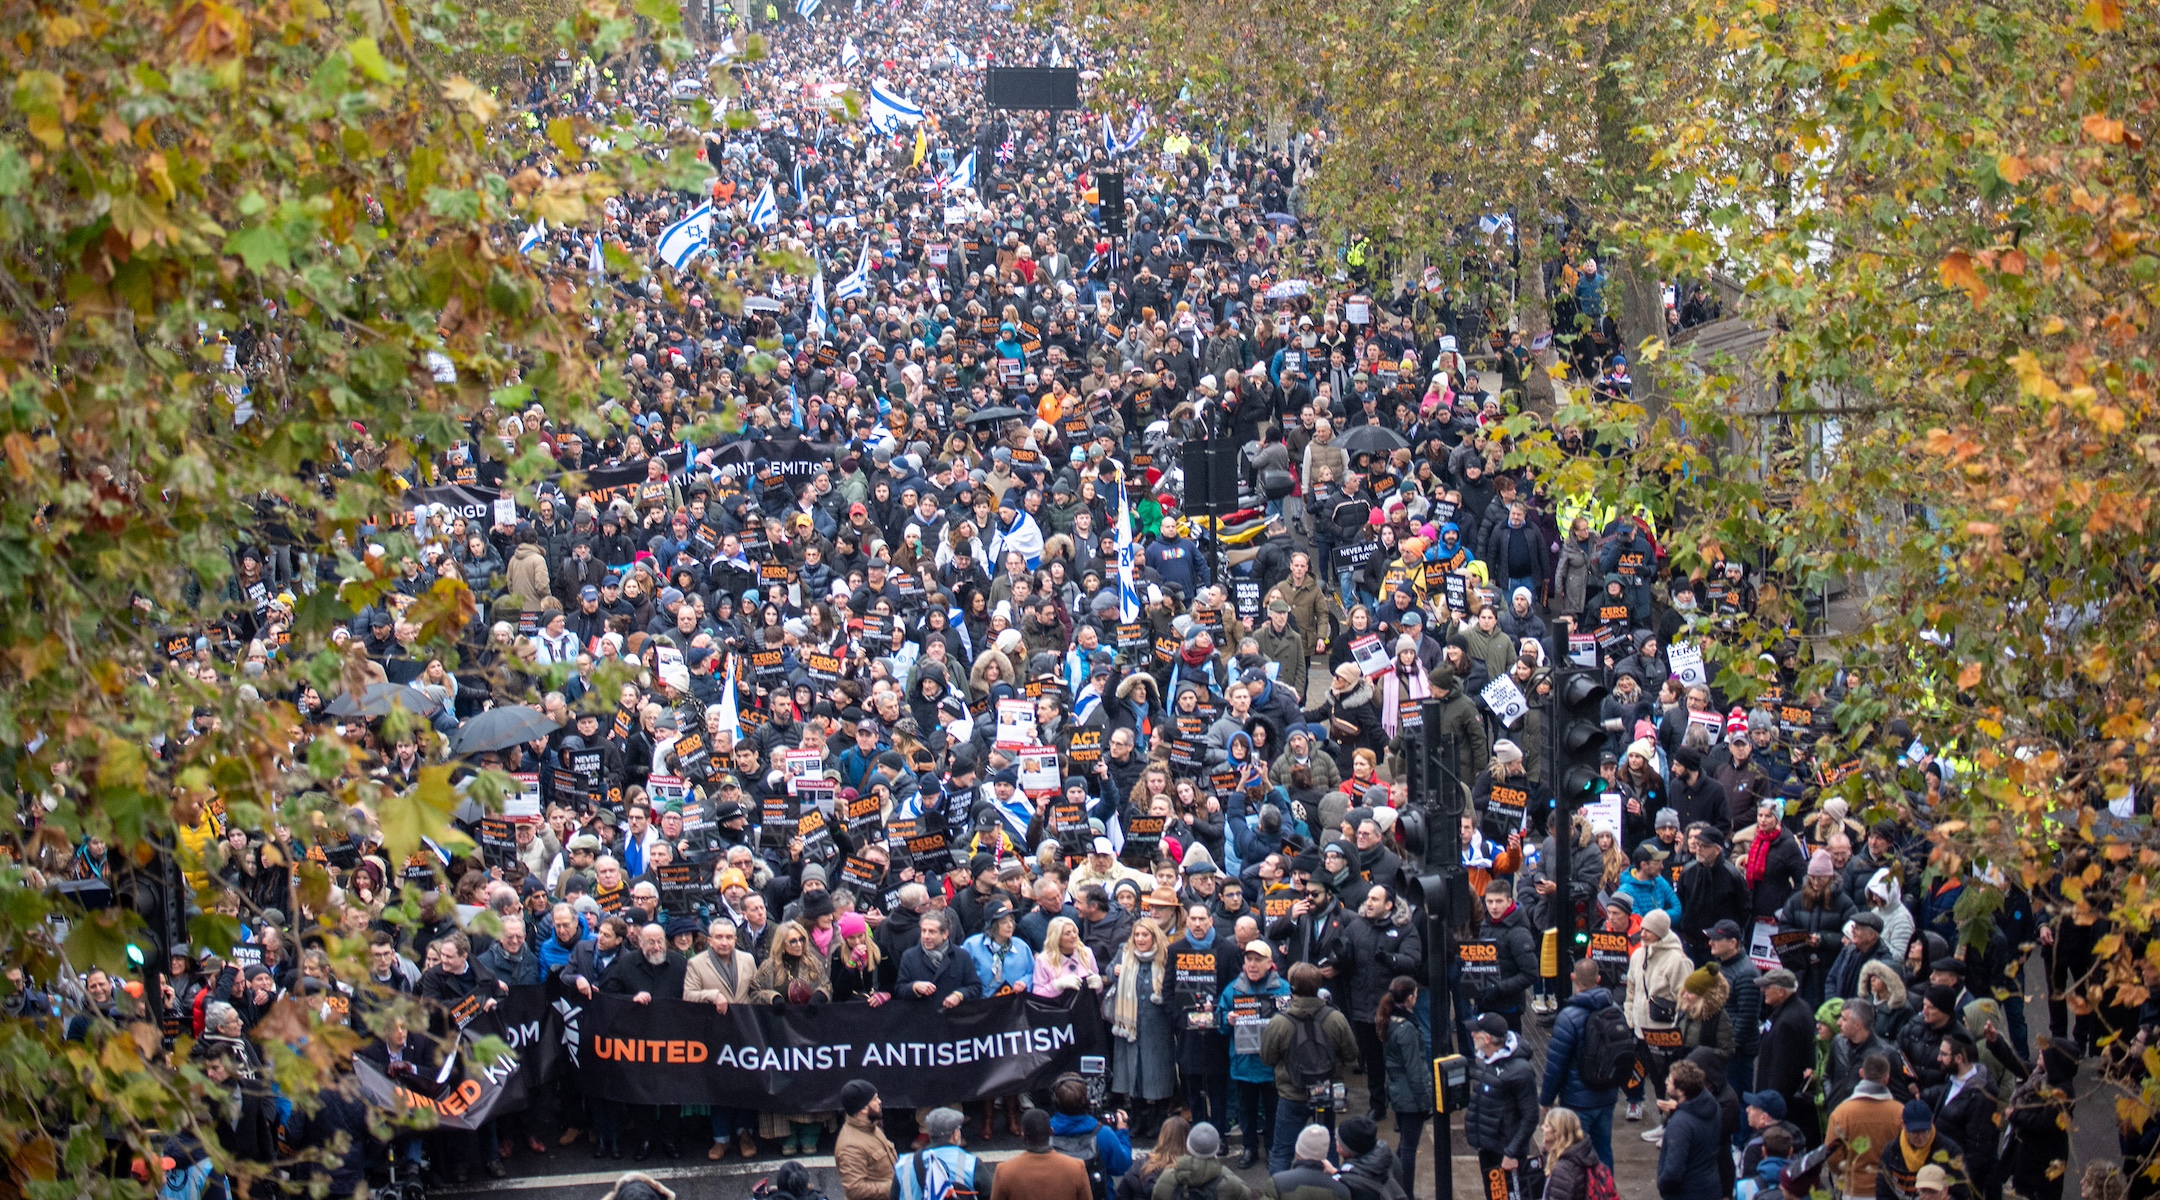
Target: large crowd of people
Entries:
(863, 698)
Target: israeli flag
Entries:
(856, 283)
(820, 316)
(596, 262)
(800, 195)
(850, 55)
(1137, 130)
(730, 714)
(1110, 143)
(958, 56)
(889, 110)
(682, 241)
(531, 239)
(1128, 594)
(765, 213)
(962, 174)
(803, 8)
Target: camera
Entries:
(1329, 1098)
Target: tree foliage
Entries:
(339, 186)
(1940, 222)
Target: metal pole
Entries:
(1442, 794)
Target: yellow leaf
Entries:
(2013, 169)
(1957, 271)
(2105, 16)
(472, 97)
(2102, 128)
(1968, 675)
(2106, 947)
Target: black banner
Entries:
(796, 1058)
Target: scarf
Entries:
(725, 969)
(1125, 1001)
(1758, 856)
(1392, 695)
(823, 939)
(1194, 655)
(936, 958)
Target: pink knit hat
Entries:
(852, 924)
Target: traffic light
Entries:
(1580, 739)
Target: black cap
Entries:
(1727, 929)
(996, 909)
(856, 1096)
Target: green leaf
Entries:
(14, 172)
(368, 56)
(259, 246)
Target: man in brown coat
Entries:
(1041, 1173)
(862, 1154)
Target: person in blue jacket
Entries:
(1646, 887)
(1105, 1149)
(1258, 993)
(1564, 1083)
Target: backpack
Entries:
(1186, 1191)
(1605, 1051)
(1598, 1183)
(934, 1181)
(1311, 1059)
(1082, 1146)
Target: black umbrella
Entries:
(501, 728)
(1371, 439)
(1002, 412)
(380, 698)
(1200, 245)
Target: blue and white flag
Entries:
(962, 174)
(730, 716)
(856, 283)
(596, 262)
(958, 56)
(820, 316)
(1128, 594)
(803, 8)
(889, 110)
(801, 195)
(530, 240)
(682, 241)
(765, 213)
(1110, 142)
(850, 54)
(1134, 132)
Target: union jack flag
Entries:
(1005, 151)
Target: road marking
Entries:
(763, 1164)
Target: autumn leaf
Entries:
(2105, 16)
(1957, 270)
(1969, 675)
(2102, 128)
(472, 98)
(2012, 169)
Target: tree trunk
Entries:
(1534, 317)
(1641, 317)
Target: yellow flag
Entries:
(922, 145)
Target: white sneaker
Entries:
(1634, 1110)
(1655, 1137)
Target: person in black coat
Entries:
(1709, 886)
(1787, 1053)
(1508, 926)
(1376, 947)
(934, 969)
(645, 971)
(590, 961)
(1501, 1123)
(1688, 1157)
(1696, 796)
(1771, 860)
(1972, 1117)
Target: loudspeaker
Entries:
(1211, 480)
(1053, 89)
(1110, 192)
